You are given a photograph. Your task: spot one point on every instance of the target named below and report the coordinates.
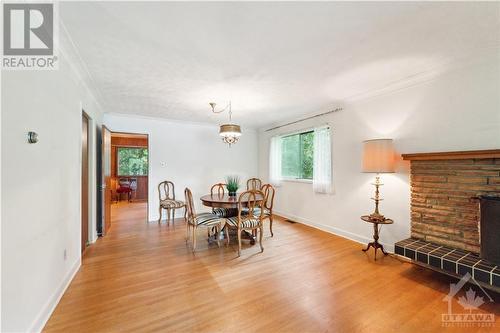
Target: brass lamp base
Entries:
(376, 215)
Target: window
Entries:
(297, 153)
(132, 161)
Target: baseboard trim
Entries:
(49, 307)
(334, 230)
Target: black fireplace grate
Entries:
(490, 228)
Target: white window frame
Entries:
(291, 179)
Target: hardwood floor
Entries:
(142, 277)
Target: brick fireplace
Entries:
(444, 198)
(446, 189)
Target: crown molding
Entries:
(77, 65)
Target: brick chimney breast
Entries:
(444, 192)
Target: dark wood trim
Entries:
(117, 134)
(130, 141)
(453, 155)
(127, 146)
(106, 179)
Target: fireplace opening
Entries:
(490, 228)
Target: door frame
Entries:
(149, 165)
(105, 209)
(85, 177)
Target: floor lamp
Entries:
(378, 157)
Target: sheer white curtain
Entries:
(275, 161)
(322, 175)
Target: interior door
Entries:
(106, 179)
(85, 181)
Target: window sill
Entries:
(297, 180)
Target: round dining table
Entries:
(227, 201)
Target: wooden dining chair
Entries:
(268, 191)
(252, 220)
(166, 192)
(219, 190)
(124, 187)
(133, 186)
(193, 220)
(254, 184)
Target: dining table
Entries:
(218, 200)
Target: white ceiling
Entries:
(275, 61)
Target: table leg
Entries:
(244, 235)
(247, 235)
(375, 244)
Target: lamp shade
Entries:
(378, 156)
(230, 130)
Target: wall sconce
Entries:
(32, 137)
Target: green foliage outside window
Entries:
(132, 161)
(297, 152)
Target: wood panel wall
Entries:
(142, 181)
(129, 141)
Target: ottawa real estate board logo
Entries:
(470, 301)
(29, 36)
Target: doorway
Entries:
(129, 162)
(85, 182)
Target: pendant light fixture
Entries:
(230, 133)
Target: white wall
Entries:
(457, 111)
(194, 155)
(41, 188)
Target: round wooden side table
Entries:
(375, 244)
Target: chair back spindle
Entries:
(268, 191)
(166, 190)
(253, 201)
(218, 189)
(254, 184)
(191, 213)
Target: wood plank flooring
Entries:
(142, 277)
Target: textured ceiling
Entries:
(275, 61)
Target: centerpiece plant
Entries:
(232, 184)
